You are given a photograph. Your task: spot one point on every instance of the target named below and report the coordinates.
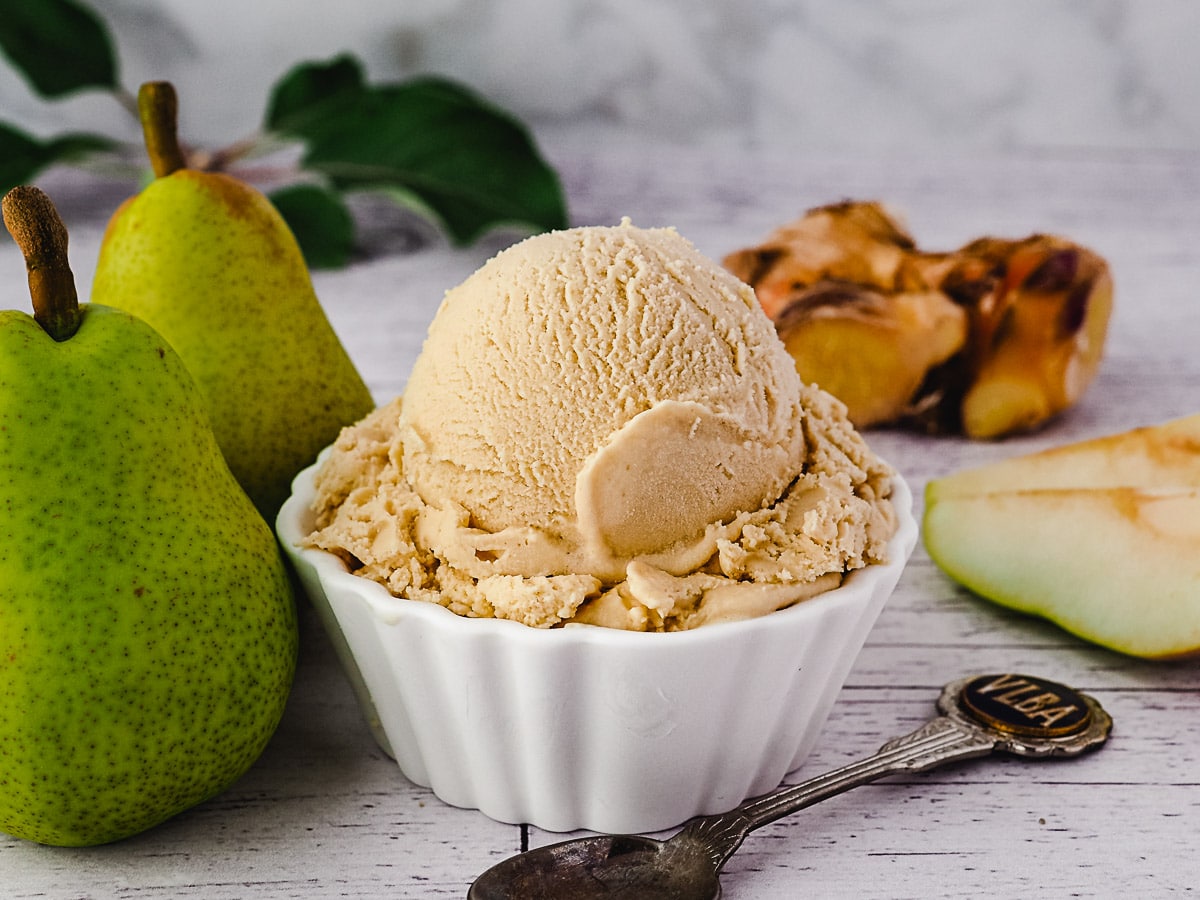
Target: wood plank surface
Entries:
(325, 814)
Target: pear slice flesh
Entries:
(1101, 536)
(1117, 566)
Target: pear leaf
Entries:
(60, 46)
(301, 91)
(318, 218)
(472, 165)
(22, 156)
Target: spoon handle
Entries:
(1017, 714)
(941, 740)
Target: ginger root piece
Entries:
(994, 338)
(858, 243)
(870, 349)
(1038, 329)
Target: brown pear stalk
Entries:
(158, 108)
(35, 225)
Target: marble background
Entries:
(1020, 74)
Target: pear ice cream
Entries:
(604, 428)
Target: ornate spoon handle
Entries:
(1011, 713)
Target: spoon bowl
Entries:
(608, 866)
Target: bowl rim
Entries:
(859, 584)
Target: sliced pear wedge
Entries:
(1156, 456)
(1101, 537)
(1119, 567)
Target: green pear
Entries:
(209, 263)
(1101, 537)
(148, 631)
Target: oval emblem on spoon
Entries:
(1025, 706)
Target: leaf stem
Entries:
(35, 225)
(158, 109)
(220, 160)
(127, 102)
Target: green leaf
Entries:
(23, 156)
(305, 87)
(472, 165)
(60, 46)
(321, 223)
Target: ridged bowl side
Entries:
(585, 727)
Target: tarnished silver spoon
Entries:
(1015, 714)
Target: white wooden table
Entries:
(325, 814)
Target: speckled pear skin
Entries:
(148, 632)
(212, 266)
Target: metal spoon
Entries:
(1015, 714)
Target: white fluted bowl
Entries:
(586, 727)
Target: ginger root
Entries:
(988, 340)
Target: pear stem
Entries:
(35, 225)
(158, 109)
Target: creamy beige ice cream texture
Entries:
(603, 428)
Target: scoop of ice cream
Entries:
(604, 428)
(598, 395)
